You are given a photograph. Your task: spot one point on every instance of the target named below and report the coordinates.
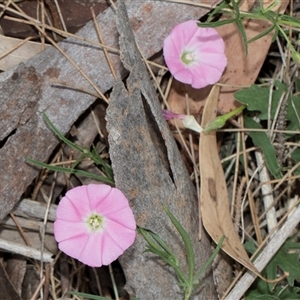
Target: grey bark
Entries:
(149, 170)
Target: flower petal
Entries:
(123, 217)
(75, 203)
(112, 203)
(66, 230)
(92, 252)
(184, 33)
(123, 235)
(103, 248)
(75, 247)
(66, 210)
(97, 193)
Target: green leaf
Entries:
(257, 99)
(220, 9)
(287, 259)
(61, 136)
(162, 244)
(260, 35)
(157, 245)
(88, 296)
(72, 171)
(250, 246)
(210, 260)
(187, 242)
(216, 24)
(240, 25)
(260, 292)
(85, 153)
(296, 158)
(260, 139)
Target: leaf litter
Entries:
(213, 185)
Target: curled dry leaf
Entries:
(13, 51)
(215, 212)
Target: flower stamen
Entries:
(187, 57)
(95, 222)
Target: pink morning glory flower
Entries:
(94, 224)
(195, 55)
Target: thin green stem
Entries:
(286, 37)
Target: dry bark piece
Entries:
(31, 282)
(7, 290)
(151, 21)
(16, 269)
(74, 13)
(24, 85)
(148, 169)
(28, 224)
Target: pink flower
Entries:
(195, 55)
(169, 115)
(94, 224)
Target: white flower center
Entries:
(95, 222)
(187, 57)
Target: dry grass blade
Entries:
(262, 260)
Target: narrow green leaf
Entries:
(94, 155)
(267, 31)
(163, 255)
(161, 243)
(216, 24)
(168, 258)
(157, 249)
(271, 6)
(78, 161)
(148, 235)
(240, 25)
(275, 35)
(61, 136)
(187, 242)
(107, 169)
(72, 171)
(219, 9)
(88, 296)
(243, 34)
(210, 260)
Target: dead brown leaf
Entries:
(13, 51)
(215, 213)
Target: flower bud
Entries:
(296, 57)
